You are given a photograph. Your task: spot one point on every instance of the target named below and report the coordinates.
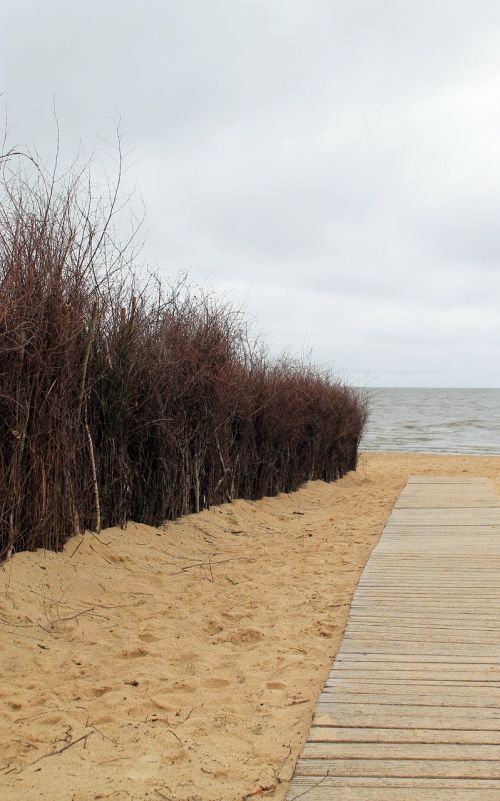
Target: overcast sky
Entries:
(336, 164)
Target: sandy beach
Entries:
(184, 662)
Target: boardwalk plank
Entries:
(468, 752)
(400, 768)
(330, 789)
(382, 716)
(353, 734)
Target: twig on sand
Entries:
(49, 711)
(209, 564)
(78, 614)
(73, 552)
(171, 731)
(166, 720)
(115, 759)
(165, 797)
(314, 786)
(52, 622)
(100, 554)
(278, 771)
(84, 737)
(265, 789)
(261, 790)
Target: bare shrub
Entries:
(121, 400)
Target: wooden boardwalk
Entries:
(411, 709)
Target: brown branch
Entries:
(64, 748)
(94, 479)
(85, 362)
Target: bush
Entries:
(122, 401)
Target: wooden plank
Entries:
(385, 716)
(432, 605)
(452, 678)
(331, 789)
(403, 768)
(453, 617)
(469, 504)
(426, 673)
(435, 486)
(398, 595)
(437, 633)
(353, 734)
(414, 659)
(393, 634)
(470, 696)
(411, 708)
(459, 491)
(488, 652)
(461, 752)
(414, 502)
(434, 480)
(446, 517)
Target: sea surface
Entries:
(434, 420)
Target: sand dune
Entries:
(184, 662)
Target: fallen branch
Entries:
(64, 748)
(166, 720)
(261, 790)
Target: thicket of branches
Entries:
(120, 401)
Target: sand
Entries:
(185, 662)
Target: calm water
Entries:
(445, 420)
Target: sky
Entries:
(332, 164)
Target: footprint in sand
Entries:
(146, 637)
(177, 686)
(275, 685)
(135, 653)
(326, 629)
(216, 683)
(41, 700)
(244, 637)
(117, 557)
(213, 627)
(100, 691)
(100, 720)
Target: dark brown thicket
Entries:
(119, 402)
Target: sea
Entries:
(433, 420)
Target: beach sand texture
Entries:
(185, 662)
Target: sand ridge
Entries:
(185, 662)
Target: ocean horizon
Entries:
(433, 420)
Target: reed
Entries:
(121, 400)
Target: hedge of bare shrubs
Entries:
(121, 401)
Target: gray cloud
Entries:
(335, 163)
